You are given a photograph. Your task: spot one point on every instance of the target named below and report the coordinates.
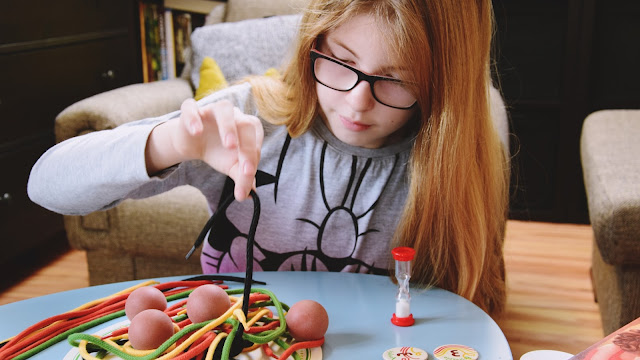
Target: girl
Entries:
(377, 135)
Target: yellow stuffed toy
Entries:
(212, 79)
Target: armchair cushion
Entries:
(249, 9)
(611, 168)
(116, 107)
(243, 48)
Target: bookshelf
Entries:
(165, 29)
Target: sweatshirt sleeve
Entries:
(98, 170)
(93, 171)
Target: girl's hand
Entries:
(219, 134)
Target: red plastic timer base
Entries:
(402, 321)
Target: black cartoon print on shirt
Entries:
(319, 258)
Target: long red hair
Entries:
(456, 210)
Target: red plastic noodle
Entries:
(202, 345)
(301, 345)
(267, 350)
(259, 329)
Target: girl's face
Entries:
(355, 116)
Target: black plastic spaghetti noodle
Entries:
(250, 239)
(214, 277)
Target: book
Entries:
(182, 27)
(152, 41)
(165, 32)
(143, 44)
(162, 40)
(622, 344)
(170, 44)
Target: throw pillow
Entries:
(243, 48)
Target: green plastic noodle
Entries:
(102, 354)
(62, 336)
(262, 304)
(228, 342)
(180, 295)
(179, 318)
(74, 340)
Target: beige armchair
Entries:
(609, 150)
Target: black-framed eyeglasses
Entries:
(339, 76)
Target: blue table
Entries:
(359, 306)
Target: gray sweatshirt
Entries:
(325, 205)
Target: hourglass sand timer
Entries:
(403, 257)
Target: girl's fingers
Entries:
(223, 114)
(191, 116)
(252, 145)
(248, 153)
(240, 138)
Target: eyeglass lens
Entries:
(338, 77)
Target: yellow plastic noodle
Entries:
(119, 337)
(82, 349)
(210, 326)
(214, 345)
(257, 316)
(128, 349)
(239, 314)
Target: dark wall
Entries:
(558, 61)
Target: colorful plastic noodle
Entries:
(239, 330)
(48, 332)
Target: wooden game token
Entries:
(405, 352)
(455, 352)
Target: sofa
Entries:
(149, 238)
(610, 156)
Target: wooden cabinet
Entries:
(52, 54)
(557, 62)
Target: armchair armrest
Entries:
(116, 107)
